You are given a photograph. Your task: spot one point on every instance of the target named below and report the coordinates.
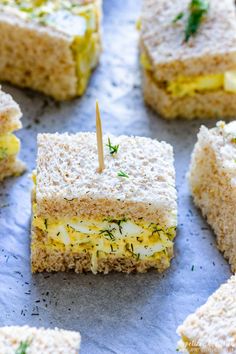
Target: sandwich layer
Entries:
(212, 180)
(211, 51)
(204, 103)
(85, 221)
(194, 79)
(10, 115)
(50, 46)
(211, 329)
(30, 340)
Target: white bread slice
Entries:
(40, 56)
(212, 50)
(39, 340)
(212, 178)
(211, 329)
(68, 183)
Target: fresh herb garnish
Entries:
(178, 17)
(197, 9)
(122, 174)
(22, 349)
(108, 234)
(112, 148)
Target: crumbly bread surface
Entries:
(212, 50)
(212, 180)
(38, 57)
(211, 329)
(10, 114)
(42, 341)
(68, 183)
(11, 167)
(53, 260)
(209, 104)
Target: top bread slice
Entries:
(38, 340)
(212, 328)
(10, 114)
(211, 50)
(68, 184)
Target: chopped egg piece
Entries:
(9, 145)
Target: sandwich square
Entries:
(211, 329)
(212, 179)
(10, 115)
(194, 79)
(25, 339)
(50, 46)
(123, 219)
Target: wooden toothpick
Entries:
(99, 140)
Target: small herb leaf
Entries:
(197, 8)
(178, 17)
(122, 174)
(22, 349)
(112, 148)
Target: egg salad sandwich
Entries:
(10, 115)
(123, 219)
(211, 329)
(212, 178)
(188, 57)
(30, 340)
(50, 45)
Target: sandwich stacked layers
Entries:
(193, 79)
(212, 180)
(122, 219)
(30, 340)
(50, 46)
(10, 115)
(211, 329)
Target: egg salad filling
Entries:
(189, 86)
(79, 21)
(102, 237)
(9, 146)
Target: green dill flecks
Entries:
(233, 140)
(3, 153)
(108, 234)
(178, 17)
(112, 148)
(197, 10)
(117, 222)
(46, 223)
(22, 349)
(122, 174)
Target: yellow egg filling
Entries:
(9, 146)
(103, 237)
(189, 86)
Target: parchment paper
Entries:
(117, 313)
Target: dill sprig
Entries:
(108, 234)
(122, 174)
(22, 349)
(112, 148)
(197, 9)
(178, 17)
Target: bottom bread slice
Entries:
(11, 166)
(212, 328)
(25, 339)
(210, 104)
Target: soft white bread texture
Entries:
(211, 329)
(70, 191)
(10, 114)
(38, 340)
(68, 183)
(212, 178)
(170, 62)
(212, 50)
(44, 57)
